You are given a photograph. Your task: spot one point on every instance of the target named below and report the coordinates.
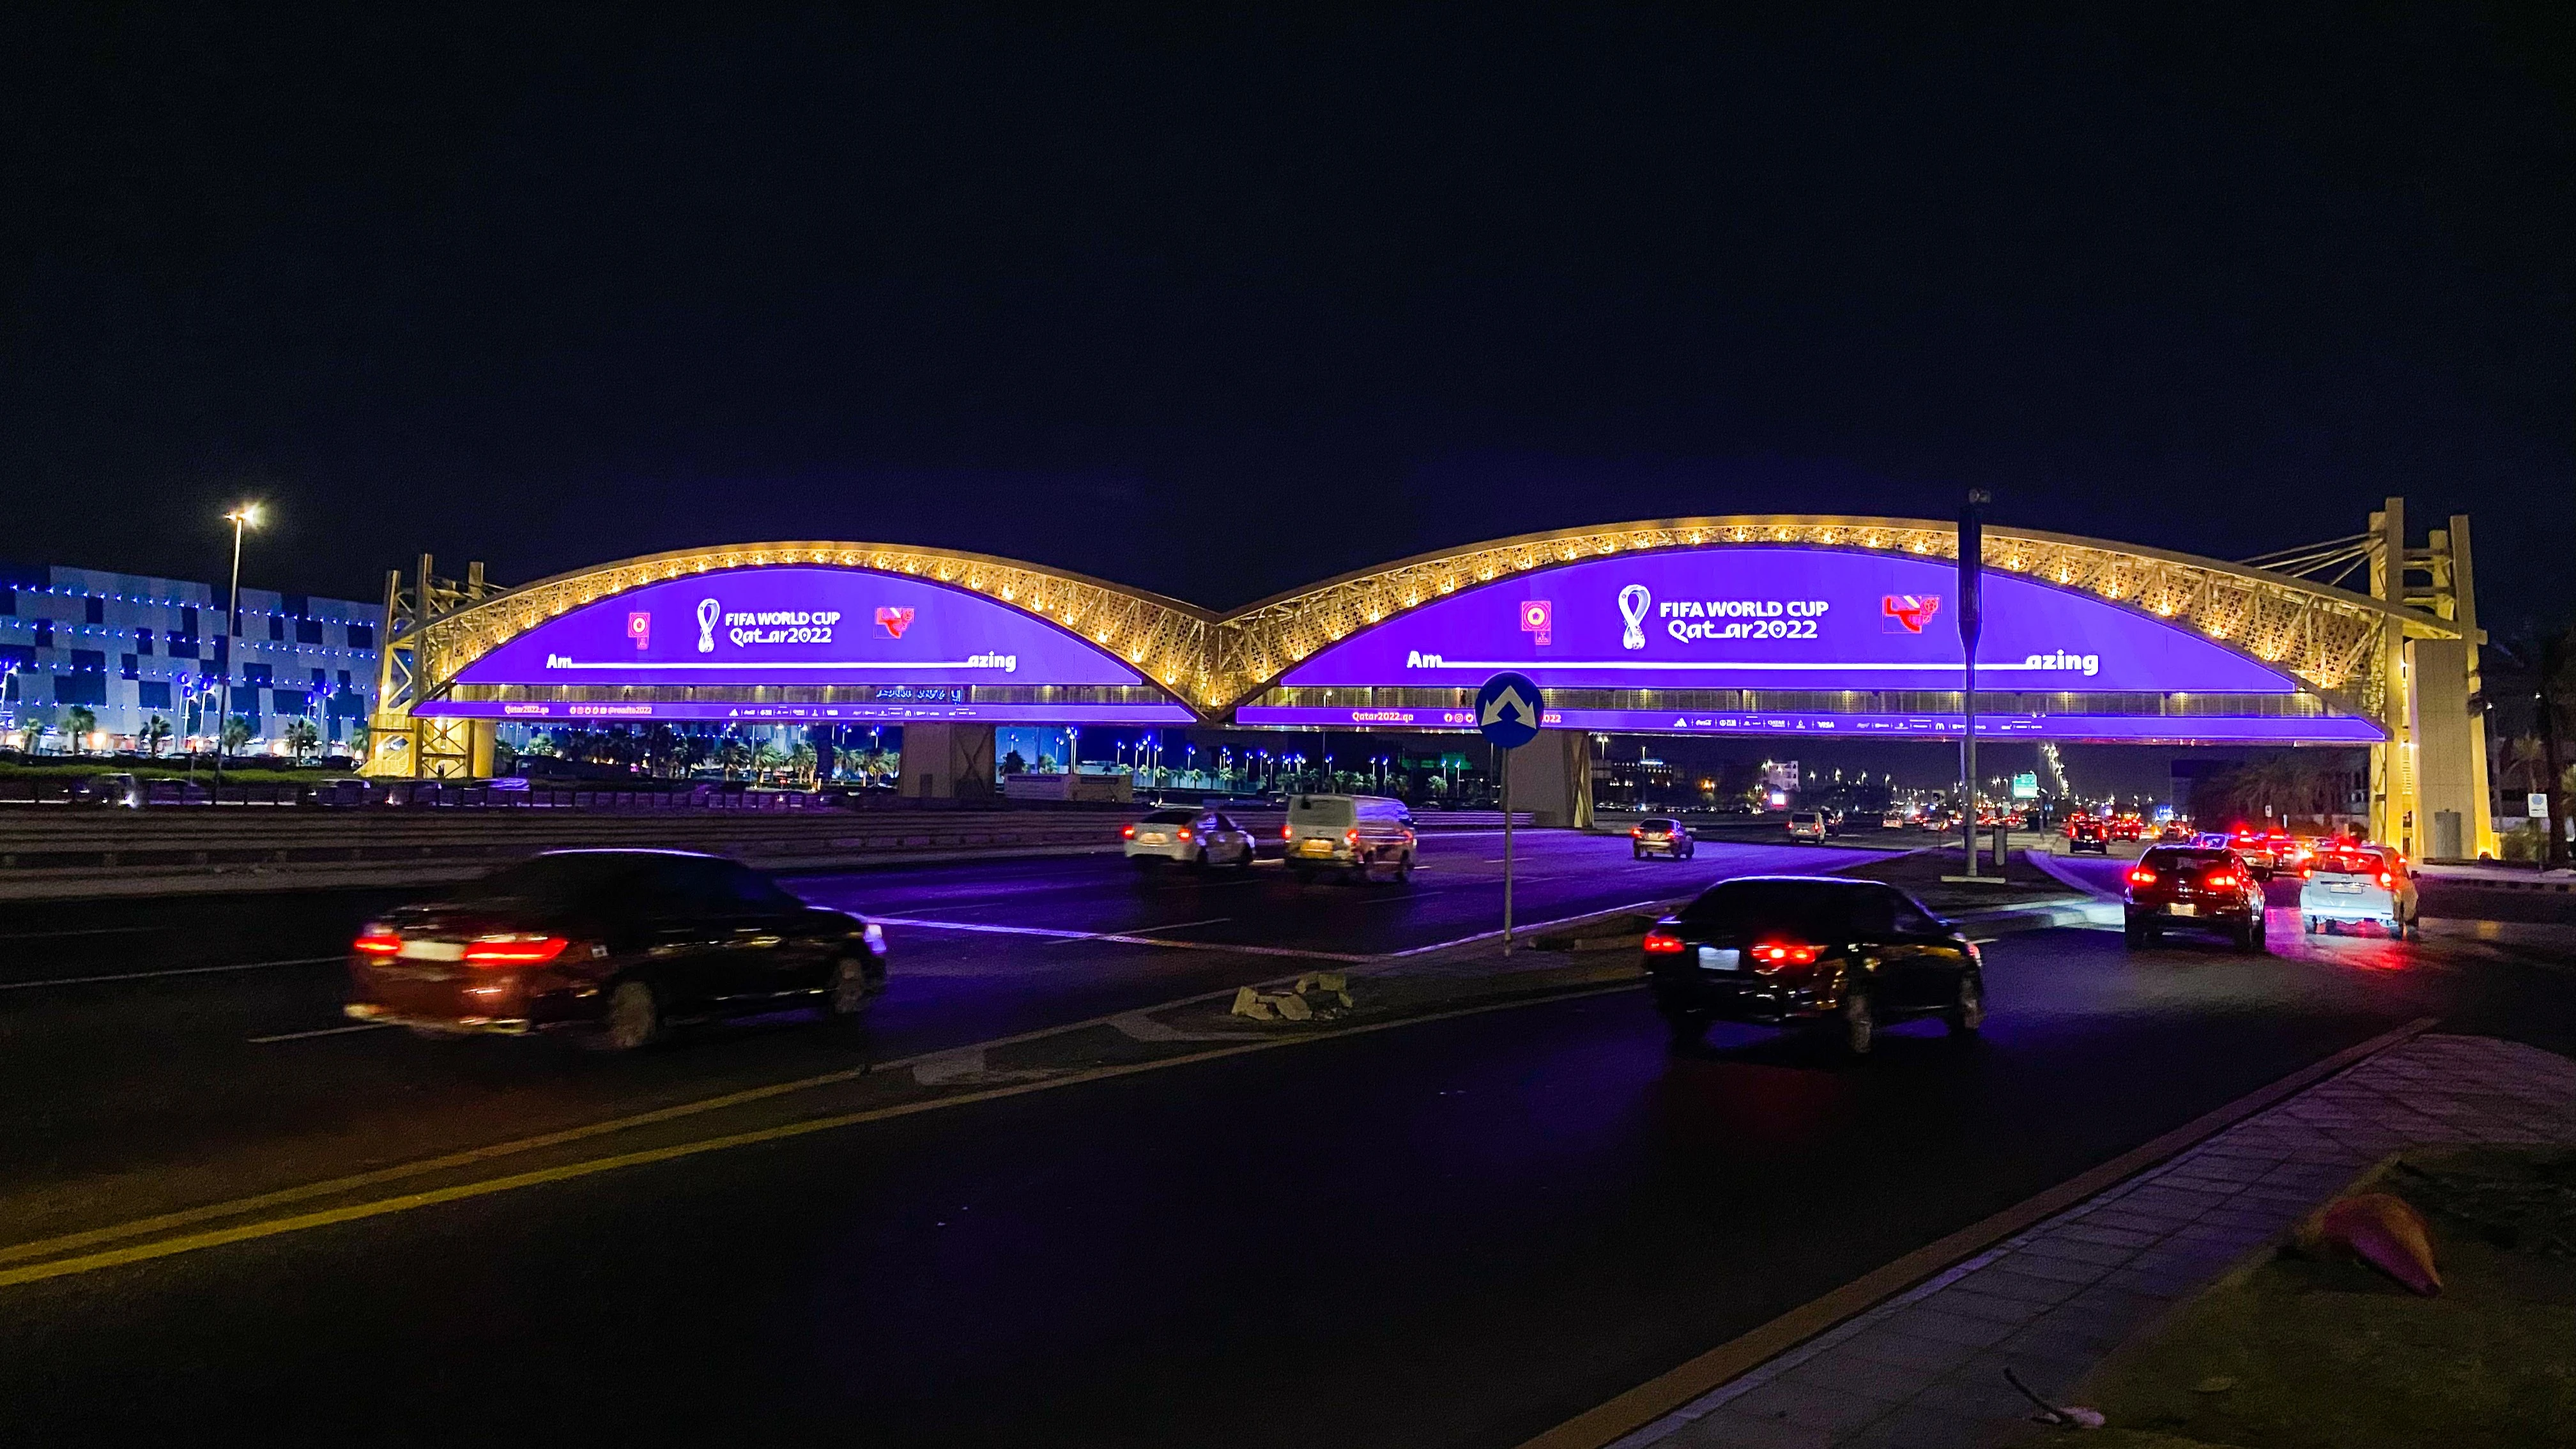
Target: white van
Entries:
(1354, 833)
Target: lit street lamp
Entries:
(244, 517)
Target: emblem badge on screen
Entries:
(1909, 611)
(639, 627)
(708, 612)
(893, 621)
(1634, 600)
(1537, 619)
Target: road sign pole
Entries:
(1509, 710)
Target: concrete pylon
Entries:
(1552, 779)
(952, 761)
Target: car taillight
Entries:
(2386, 881)
(1662, 943)
(2220, 881)
(2140, 875)
(1636, 830)
(377, 940)
(1783, 953)
(1283, 832)
(1350, 837)
(1129, 831)
(513, 950)
(1185, 832)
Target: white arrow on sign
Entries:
(1509, 707)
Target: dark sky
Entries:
(1221, 306)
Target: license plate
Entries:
(2343, 888)
(432, 951)
(2182, 908)
(1715, 958)
(1152, 837)
(1315, 847)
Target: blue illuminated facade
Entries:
(130, 648)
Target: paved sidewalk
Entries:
(1925, 1370)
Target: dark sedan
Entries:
(625, 943)
(1847, 956)
(1662, 835)
(2186, 888)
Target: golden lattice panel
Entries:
(2329, 638)
(1163, 639)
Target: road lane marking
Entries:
(323, 1031)
(90, 931)
(154, 975)
(1175, 926)
(1122, 938)
(570, 1171)
(1729, 1361)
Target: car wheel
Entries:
(1968, 1012)
(1687, 1030)
(849, 991)
(1404, 871)
(2135, 936)
(1244, 861)
(1860, 1024)
(2249, 937)
(634, 1016)
(1636, 852)
(1199, 862)
(2312, 925)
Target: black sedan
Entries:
(1846, 956)
(622, 942)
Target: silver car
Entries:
(2359, 884)
(1196, 838)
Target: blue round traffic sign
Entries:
(1507, 710)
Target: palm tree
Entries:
(156, 732)
(766, 757)
(360, 734)
(78, 721)
(732, 754)
(236, 734)
(802, 761)
(302, 737)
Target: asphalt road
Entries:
(1453, 1233)
(155, 1054)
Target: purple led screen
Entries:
(2097, 729)
(1780, 618)
(613, 711)
(798, 626)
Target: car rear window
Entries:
(2346, 862)
(1807, 910)
(2175, 859)
(560, 880)
(1656, 823)
(1170, 817)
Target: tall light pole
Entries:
(244, 517)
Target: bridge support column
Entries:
(947, 762)
(1552, 779)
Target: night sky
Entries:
(1219, 306)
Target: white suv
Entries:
(1354, 833)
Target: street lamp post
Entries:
(244, 517)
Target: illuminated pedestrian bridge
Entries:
(1742, 626)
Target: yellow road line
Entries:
(407, 1202)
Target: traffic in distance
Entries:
(620, 948)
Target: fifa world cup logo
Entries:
(708, 611)
(1633, 603)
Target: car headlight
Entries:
(874, 935)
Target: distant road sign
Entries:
(2026, 785)
(1507, 710)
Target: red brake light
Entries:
(1283, 832)
(1774, 954)
(1129, 831)
(1350, 837)
(2223, 880)
(1662, 943)
(2386, 880)
(1636, 830)
(377, 940)
(1185, 832)
(2140, 875)
(514, 950)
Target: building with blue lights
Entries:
(130, 649)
